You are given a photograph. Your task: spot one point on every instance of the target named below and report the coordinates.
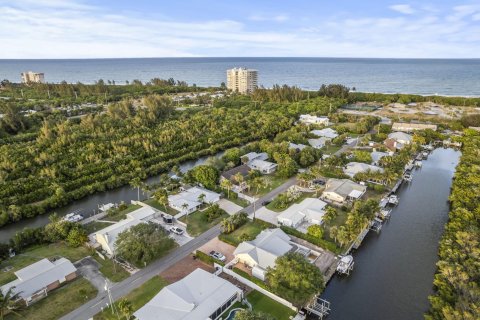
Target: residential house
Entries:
(310, 210)
(265, 167)
(297, 147)
(343, 190)
(397, 140)
(242, 170)
(376, 156)
(352, 168)
(309, 119)
(35, 281)
(190, 200)
(319, 143)
(411, 127)
(107, 237)
(261, 253)
(327, 133)
(254, 156)
(200, 295)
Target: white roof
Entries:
(343, 187)
(38, 275)
(355, 194)
(327, 133)
(310, 208)
(352, 168)
(300, 146)
(318, 143)
(254, 155)
(261, 164)
(191, 197)
(194, 297)
(377, 155)
(400, 136)
(266, 247)
(140, 215)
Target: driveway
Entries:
(88, 268)
(267, 215)
(229, 206)
(180, 239)
(220, 246)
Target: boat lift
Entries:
(345, 265)
(376, 225)
(318, 307)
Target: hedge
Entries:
(207, 259)
(257, 281)
(316, 241)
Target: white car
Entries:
(176, 230)
(217, 255)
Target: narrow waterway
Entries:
(89, 205)
(394, 269)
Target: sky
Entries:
(38, 29)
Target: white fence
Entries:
(248, 198)
(258, 288)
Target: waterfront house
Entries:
(397, 140)
(107, 237)
(310, 211)
(265, 167)
(191, 199)
(326, 133)
(262, 252)
(352, 168)
(242, 170)
(35, 281)
(246, 158)
(309, 119)
(200, 295)
(376, 156)
(343, 190)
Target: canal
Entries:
(88, 205)
(394, 269)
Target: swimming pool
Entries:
(232, 313)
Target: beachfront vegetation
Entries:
(143, 243)
(456, 282)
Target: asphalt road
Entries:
(120, 289)
(92, 307)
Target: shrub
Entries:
(316, 241)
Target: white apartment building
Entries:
(242, 80)
(33, 77)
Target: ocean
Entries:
(417, 76)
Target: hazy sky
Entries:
(321, 28)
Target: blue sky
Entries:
(102, 29)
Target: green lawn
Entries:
(154, 203)
(249, 229)
(302, 197)
(37, 253)
(273, 182)
(265, 304)
(114, 272)
(60, 301)
(95, 226)
(138, 297)
(122, 214)
(239, 201)
(338, 221)
(197, 222)
(331, 149)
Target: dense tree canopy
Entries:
(295, 279)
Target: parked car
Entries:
(176, 230)
(217, 255)
(265, 203)
(168, 219)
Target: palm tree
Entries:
(226, 184)
(161, 196)
(334, 233)
(125, 308)
(136, 183)
(342, 235)
(201, 198)
(8, 303)
(184, 208)
(330, 214)
(257, 183)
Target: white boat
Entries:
(407, 177)
(393, 199)
(418, 163)
(73, 217)
(425, 155)
(385, 213)
(345, 265)
(105, 207)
